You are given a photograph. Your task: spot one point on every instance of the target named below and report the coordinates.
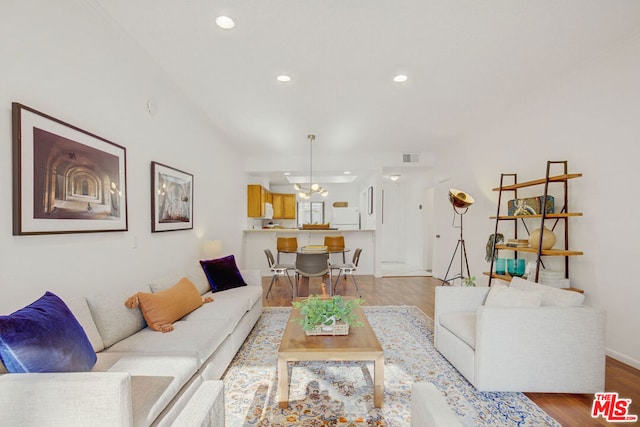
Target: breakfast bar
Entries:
(255, 241)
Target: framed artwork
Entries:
(171, 198)
(65, 179)
(370, 200)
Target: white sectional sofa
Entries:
(526, 337)
(142, 377)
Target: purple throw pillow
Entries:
(44, 337)
(222, 273)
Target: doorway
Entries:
(403, 254)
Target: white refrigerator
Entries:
(346, 218)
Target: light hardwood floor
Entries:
(568, 409)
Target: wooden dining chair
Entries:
(286, 245)
(335, 244)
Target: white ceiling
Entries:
(467, 61)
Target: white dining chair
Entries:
(345, 270)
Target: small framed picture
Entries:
(65, 179)
(171, 198)
(370, 200)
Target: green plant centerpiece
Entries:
(319, 314)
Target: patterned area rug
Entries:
(341, 393)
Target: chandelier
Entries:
(306, 193)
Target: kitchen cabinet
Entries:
(257, 196)
(564, 214)
(284, 206)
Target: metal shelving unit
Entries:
(564, 215)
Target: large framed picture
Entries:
(65, 179)
(171, 198)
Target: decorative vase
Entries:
(548, 238)
(515, 267)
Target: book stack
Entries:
(316, 249)
(518, 243)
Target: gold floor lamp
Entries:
(460, 201)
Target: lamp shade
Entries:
(212, 249)
(459, 198)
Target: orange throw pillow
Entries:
(163, 308)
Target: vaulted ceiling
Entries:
(466, 61)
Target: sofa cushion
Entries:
(196, 274)
(462, 324)
(163, 308)
(504, 296)
(200, 337)
(44, 337)
(222, 273)
(80, 309)
(113, 319)
(155, 381)
(245, 297)
(550, 296)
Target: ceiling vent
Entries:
(410, 158)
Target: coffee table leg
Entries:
(378, 381)
(283, 383)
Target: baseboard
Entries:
(623, 358)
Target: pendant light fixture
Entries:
(306, 193)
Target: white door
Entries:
(446, 236)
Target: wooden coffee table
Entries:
(360, 345)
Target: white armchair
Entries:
(550, 348)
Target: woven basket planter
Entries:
(339, 328)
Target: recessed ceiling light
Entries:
(400, 78)
(287, 173)
(225, 22)
(347, 172)
(394, 177)
(283, 78)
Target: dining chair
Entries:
(286, 245)
(279, 270)
(335, 244)
(345, 270)
(313, 265)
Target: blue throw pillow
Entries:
(44, 337)
(222, 273)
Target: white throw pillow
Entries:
(551, 297)
(504, 296)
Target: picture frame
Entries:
(370, 200)
(65, 179)
(171, 198)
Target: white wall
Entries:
(65, 60)
(589, 117)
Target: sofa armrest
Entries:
(546, 349)
(429, 407)
(456, 298)
(66, 399)
(252, 277)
